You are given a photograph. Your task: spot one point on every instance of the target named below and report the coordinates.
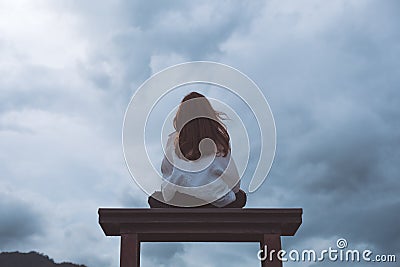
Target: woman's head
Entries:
(195, 121)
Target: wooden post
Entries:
(130, 250)
(273, 244)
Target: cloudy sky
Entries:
(329, 70)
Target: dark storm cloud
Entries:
(338, 132)
(144, 29)
(18, 221)
(198, 28)
(129, 199)
(45, 88)
(329, 71)
(333, 92)
(162, 254)
(145, 14)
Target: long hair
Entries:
(196, 120)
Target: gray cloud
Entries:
(162, 254)
(329, 71)
(18, 221)
(337, 140)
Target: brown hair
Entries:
(196, 120)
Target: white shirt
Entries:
(214, 180)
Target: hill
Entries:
(31, 259)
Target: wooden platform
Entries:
(265, 226)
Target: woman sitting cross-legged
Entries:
(197, 168)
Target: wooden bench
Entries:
(198, 225)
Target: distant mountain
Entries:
(31, 259)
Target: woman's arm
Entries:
(166, 167)
(227, 170)
(167, 189)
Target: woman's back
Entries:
(210, 178)
(197, 160)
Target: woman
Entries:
(197, 167)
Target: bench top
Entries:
(200, 224)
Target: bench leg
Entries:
(273, 244)
(130, 250)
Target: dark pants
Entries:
(240, 202)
